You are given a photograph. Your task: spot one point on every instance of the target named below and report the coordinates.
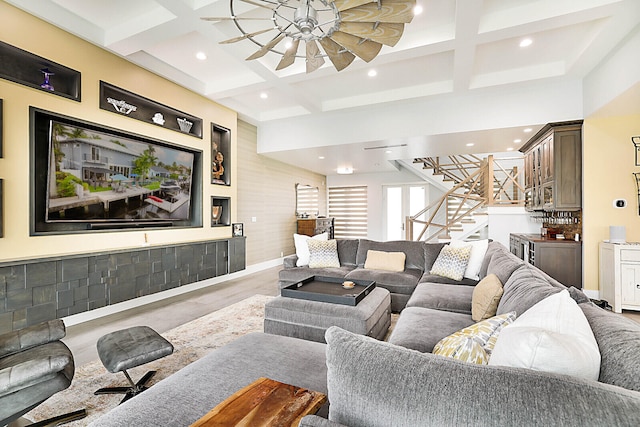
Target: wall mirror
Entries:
(307, 201)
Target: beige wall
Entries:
(33, 35)
(608, 164)
(266, 192)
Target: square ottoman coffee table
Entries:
(308, 319)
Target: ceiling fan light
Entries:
(305, 19)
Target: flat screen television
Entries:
(88, 176)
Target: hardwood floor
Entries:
(167, 314)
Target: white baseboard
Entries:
(169, 293)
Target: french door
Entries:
(401, 201)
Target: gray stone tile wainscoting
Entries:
(35, 290)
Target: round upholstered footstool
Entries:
(128, 348)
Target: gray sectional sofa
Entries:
(400, 383)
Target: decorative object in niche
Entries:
(121, 101)
(220, 155)
(220, 211)
(27, 69)
(238, 229)
(636, 145)
(47, 79)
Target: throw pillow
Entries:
(390, 261)
(485, 298)
(552, 336)
(452, 262)
(323, 253)
(474, 344)
(302, 249)
(478, 251)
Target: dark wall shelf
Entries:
(25, 68)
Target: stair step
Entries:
(468, 221)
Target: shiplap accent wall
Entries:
(266, 191)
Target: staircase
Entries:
(461, 213)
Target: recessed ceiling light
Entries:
(509, 148)
(388, 152)
(526, 42)
(527, 130)
(417, 10)
(517, 141)
(264, 95)
(470, 144)
(372, 73)
(345, 170)
(321, 157)
(201, 56)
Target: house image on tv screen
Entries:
(97, 176)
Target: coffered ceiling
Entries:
(457, 58)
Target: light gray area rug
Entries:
(191, 341)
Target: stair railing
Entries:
(471, 176)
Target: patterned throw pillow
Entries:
(323, 253)
(452, 262)
(475, 343)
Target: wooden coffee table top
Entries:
(265, 402)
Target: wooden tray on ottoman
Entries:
(328, 289)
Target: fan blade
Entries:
(258, 4)
(387, 34)
(314, 58)
(289, 56)
(348, 4)
(365, 49)
(264, 49)
(334, 51)
(395, 11)
(246, 36)
(233, 18)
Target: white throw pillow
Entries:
(478, 250)
(302, 248)
(552, 336)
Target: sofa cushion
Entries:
(619, 342)
(421, 328)
(486, 297)
(478, 251)
(433, 278)
(347, 251)
(431, 252)
(373, 383)
(396, 282)
(414, 251)
(552, 336)
(441, 296)
(302, 248)
(452, 262)
(503, 263)
(390, 261)
(323, 254)
(474, 343)
(523, 290)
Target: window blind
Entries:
(348, 207)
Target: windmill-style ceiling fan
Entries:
(343, 28)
